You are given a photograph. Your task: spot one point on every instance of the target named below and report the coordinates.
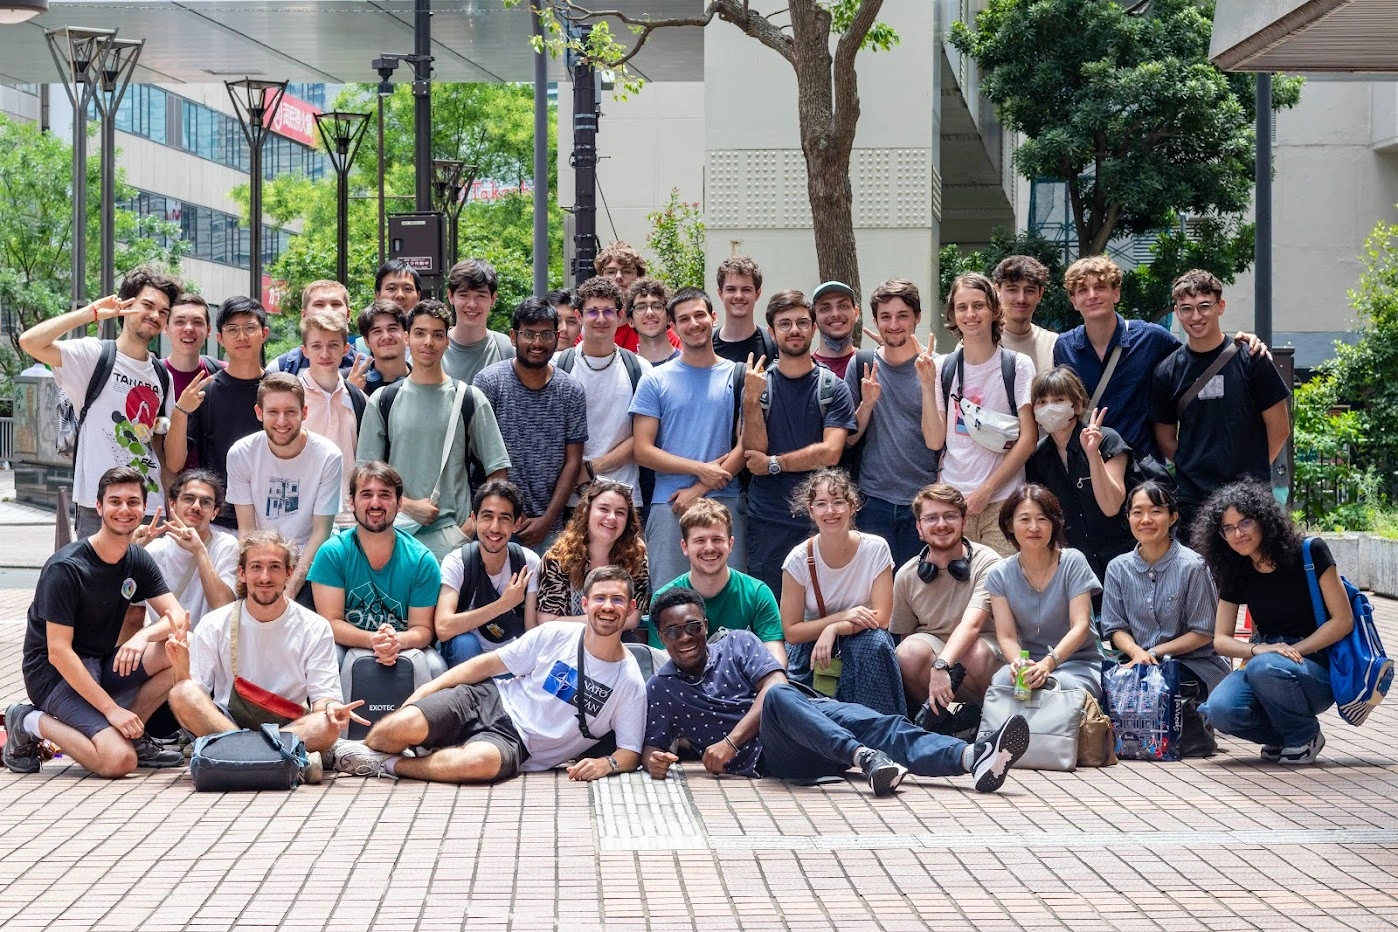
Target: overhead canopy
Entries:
(1305, 36)
(329, 41)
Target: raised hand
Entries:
(184, 536)
(926, 369)
(359, 372)
(1091, 436)
(193, 395)
(342, 714)
(112, 306)
(145, 533)
(755, 378)
(869, 385)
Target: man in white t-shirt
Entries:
(571, 685)
(129, 415)
(495, 603)
(609, 375)
(286, 478)
(280, 647)
(199, 566)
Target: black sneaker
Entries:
(151, 753)
(1271, 753)
(21, 748)
(1304, 754)
(993, 758)
(883, 773)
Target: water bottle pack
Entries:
(1146, 709)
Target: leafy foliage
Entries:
(1055, 312)
(676, 240)
(1330, 490)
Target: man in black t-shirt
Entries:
(739, 287)
(1237, 422)
(89, 696)
(215, 412)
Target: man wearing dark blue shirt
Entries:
(733, 703)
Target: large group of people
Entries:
(840, 550)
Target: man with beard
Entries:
(376, 584)
(1020, 283)
(472, 286)
(89, 696)
(941, 609)
(686, 429)
(199, 566)
(732, 702)
(119, 390)
(489, 585)
(835, 314)
(542, 416)
(408, 424)
(286, 478)
(383, 327)
(571, 685)
(796, 416)
(279, 646)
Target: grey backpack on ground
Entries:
(382, 688)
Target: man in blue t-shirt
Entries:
(685, 428)
(796, 416)
(732, 702)
(377, 585)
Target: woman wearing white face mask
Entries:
(1083, 464)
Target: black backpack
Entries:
(956, 363)
(854, 454)
(384, 398)
(70, 423)
(569, 358)
(477, 591)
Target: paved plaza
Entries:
(1227, 843)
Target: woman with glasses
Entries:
(837, 598)
(1041, 598)
(1159, 601)
(605, 530)
(1255, 554)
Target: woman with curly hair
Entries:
(605, 530)
(837, 598)
(1254, 553)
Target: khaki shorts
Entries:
(984, 528)
(938, 645)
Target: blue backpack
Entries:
(1360, 674)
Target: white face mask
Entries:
(1054, 416)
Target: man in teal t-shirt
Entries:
(732, 599)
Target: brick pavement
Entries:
(1227, 843)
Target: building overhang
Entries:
(330, 41)
(1300, 36)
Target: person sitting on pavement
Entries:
(605, 530)
(1255, 554)
(88, 694)
(948, 651)
(1159, 601)
(571, 686)
(735, 601)
(497, 602)
(376, 584)
(731, 700)
(278, 645)
(1041, 598)
(837, 596)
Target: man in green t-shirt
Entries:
(732, 599)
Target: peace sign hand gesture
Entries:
(926, 369)
(755, 380)
(1091, 436)
(193, 395)
(145, 533)
(869, 385)
(359, 373)
(112, 306)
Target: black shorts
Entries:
(65, 703)
(473, 712)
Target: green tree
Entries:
(676, 239)
(36, 228)
(1127, 110)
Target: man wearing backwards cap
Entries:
(835, 313)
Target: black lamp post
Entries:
(449, 180)
(114, 76)
(256, 103)
(342, 133)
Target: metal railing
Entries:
(7, 439)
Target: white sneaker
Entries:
(356, 759)
(1306, 753)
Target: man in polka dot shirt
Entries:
(732, 701)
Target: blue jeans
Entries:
(768, 548)
(1272, 700)
(459, 649)
(804, 739)
(894, 523)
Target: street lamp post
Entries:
(448, 183)
(114, 76)
(342, 134)
(256, 103)
(78, 54)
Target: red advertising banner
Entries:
(296, 119)
(273, 293)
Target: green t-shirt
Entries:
(745, 604)
(410, 579)
(419, 416)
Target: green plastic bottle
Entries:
(1022, 691)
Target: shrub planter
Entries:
(1370, 562)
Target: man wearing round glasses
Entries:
(199, 566)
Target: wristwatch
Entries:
(1153, 654)
(940, 664)
(773, 467)
(611, 759)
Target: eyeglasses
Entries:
(1230, 531)
(689, 629)
(536, 336)
(1190, 310)
(642, 306)
(203, 501)
(932, 519)
(613, 601)
(246, 330)
(604, 313)
(786, 326)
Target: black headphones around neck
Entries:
(960, 569)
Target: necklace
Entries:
(1039, 588)
(605, 366)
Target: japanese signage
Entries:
(295, 119)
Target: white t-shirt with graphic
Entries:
(966, 464)
(293, 655)
(181, 572)
(454, 574)
(539, 699)
(609, 392)
(286, 493)
(119, 429)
